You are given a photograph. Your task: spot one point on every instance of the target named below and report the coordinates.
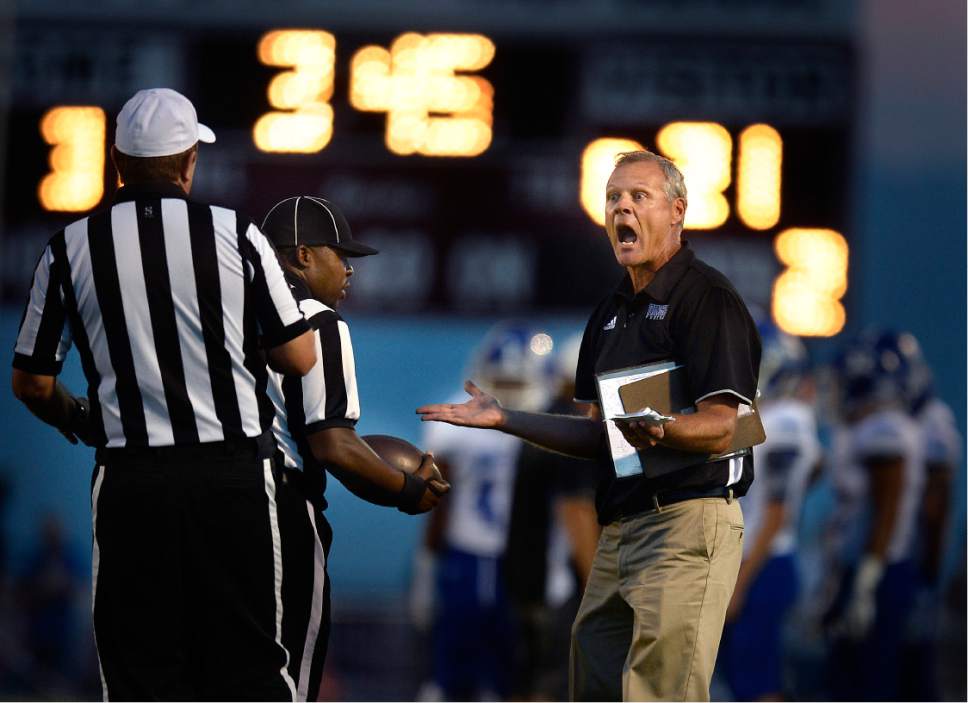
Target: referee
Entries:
(315, 428)
(168, 302)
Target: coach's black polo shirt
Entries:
(690, 314)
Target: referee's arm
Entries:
(295, 357)
(46, 398)
(329, 404)
(357, 467)
(289, 341)
(42, 344)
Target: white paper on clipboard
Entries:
(624, 456)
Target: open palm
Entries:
(480, 410)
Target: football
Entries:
(398, 453)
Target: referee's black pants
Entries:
(307, 537)
(187, 569)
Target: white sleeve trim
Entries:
(729, 391)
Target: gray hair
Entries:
(675, 185)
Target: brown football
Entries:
(398, 453)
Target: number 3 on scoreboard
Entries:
(303, 122)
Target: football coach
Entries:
(174, 307)
(651, 618)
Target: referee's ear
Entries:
(187, 175)
(302, 256)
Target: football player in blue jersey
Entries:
(750, 656)
(878, 474)
(941, 443)
(471, 632)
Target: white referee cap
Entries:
(159, 122)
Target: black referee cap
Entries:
(311, 221)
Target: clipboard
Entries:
(663, 387)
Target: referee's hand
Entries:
(79, 427)
(436, 486)
(640, 434)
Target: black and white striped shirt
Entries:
(326, 397)
(166, 301)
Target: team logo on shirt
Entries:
(656, 312)
(610, 325)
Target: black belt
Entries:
(261, 447)
(661, 499)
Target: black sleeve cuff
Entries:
(286, 334)
(40, 367)
(329, 423)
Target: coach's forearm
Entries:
(709, 430)
(45, 397)
(565, 434)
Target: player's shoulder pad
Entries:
(888, 432)
(789, 413)
(940, 434)
(938, 412)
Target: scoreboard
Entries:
(475, 161)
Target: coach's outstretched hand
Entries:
(481, 410)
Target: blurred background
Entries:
(823, 144)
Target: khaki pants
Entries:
(650, 621)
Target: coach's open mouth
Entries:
(625, 234)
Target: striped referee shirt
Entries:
(167, 301)
(326, 397)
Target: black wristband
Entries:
(411, 493)
(79, 423)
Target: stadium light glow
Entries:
(431, 110)
(76, 180)
(542, 344)
(758, 176)
(806, 296)
(597, 163)
(303, 122)
(703, 152)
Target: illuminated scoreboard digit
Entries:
(806, 296)
(431, 110)
(758, 176)
(76, 179)
(303, 122)
(597, 162)
(703, 151)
